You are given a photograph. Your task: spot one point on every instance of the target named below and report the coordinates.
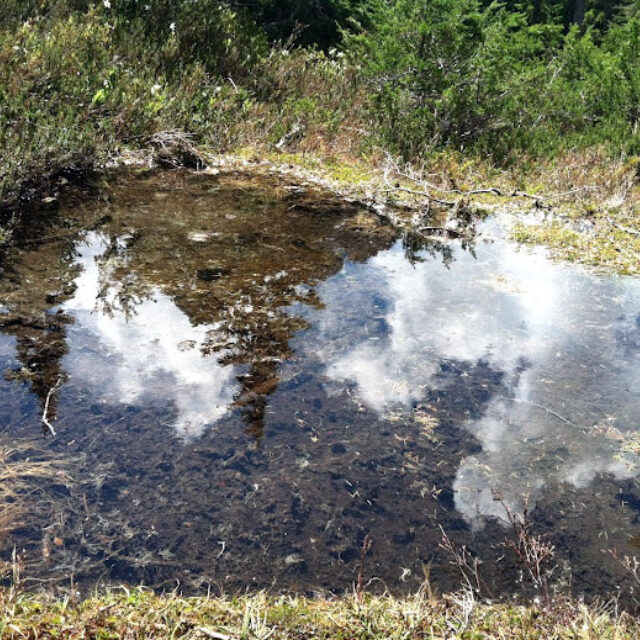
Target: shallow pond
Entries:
(252, 377)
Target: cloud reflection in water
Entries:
(151, 355)
(570, 383)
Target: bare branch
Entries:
(45, 419)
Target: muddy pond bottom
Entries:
(246, 378)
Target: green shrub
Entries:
(451, 73)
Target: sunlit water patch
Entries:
(565, 341)
(147, 353)
(247, 378)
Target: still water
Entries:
(253, 377)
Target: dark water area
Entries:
(254, 376)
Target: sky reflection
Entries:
(148, 354)
(566, 341)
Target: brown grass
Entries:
(25, 471)
(135, 614)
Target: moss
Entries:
(353, 173)
(349, 172)
(604, 244)
(554, 235)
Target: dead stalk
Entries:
(366, 547)
(467, 564)
(531, 551)
(630, 564)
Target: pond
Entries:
(249, 377)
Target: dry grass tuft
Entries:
(24, 471)
(136, 614)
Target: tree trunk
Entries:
(537, 12)
(579, 8)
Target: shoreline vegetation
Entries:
(137, 613)
(418, 103)
(35, 480)
(584, 211)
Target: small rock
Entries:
(209, 274)
(293, 558)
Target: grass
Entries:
(76, 91)
(605, 246)
(22, 476)
(134, 614)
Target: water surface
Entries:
(255, 376)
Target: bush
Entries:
(450, 73)
(76, 86)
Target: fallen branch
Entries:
(547, 409)
(425, 194)
(423, 182)
(613, 223)
(493, 190)
(568, 193)
(45, 419)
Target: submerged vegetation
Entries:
(25, 470)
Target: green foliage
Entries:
(317, 22)
(81, 78)
(305, 23)
(68, 94)
(451, 73)
(77, 85)
(174, 35)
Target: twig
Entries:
(233, 84)
(568, 193)
(494, 190)
(613, 223)
(547, 409)
(366, 547)
(423, 182)
(426, 194)
(630, 564)
(45, 419)
(531, 551)
(467, 564)
(212, 634)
